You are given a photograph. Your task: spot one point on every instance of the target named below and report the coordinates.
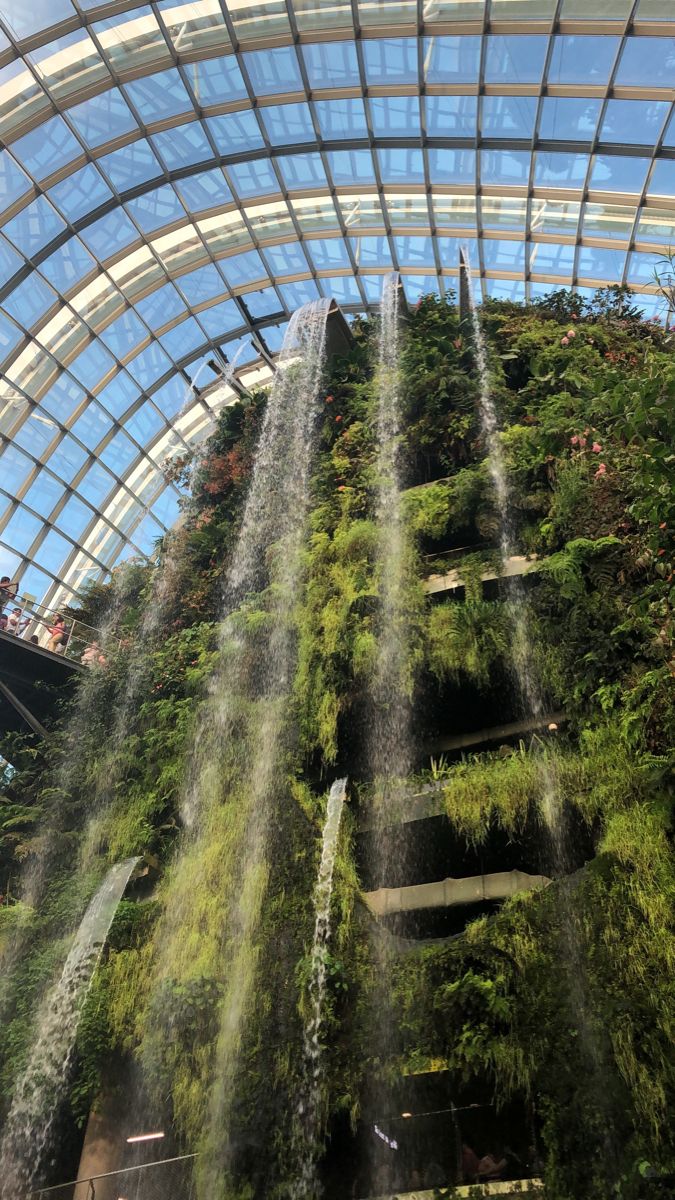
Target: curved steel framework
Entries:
(177, 177)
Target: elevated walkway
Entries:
(452, 580)
(32, 680)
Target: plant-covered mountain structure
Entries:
(498, 960)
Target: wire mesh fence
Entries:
(170, 1179)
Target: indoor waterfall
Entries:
(529, 686)
(233, 774)
(30, 1127)
(309, 1116)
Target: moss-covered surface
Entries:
(565, 998)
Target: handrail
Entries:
(160, 1162)
(35, 620)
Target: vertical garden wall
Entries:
(554, 1009)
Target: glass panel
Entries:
(333, 64)
(505, 166)
(657, 225)
(147, 366)
(509, 116)
(102, 118)
(634, 121)
(323, 14)
(182, 146)
(273, 71)
(555, 216)
(341, 118)
(13, 181)
(227, 231)
(154, 209)
(124, 334)
(532, 10)
(246, 268)
(24, 19)
(302, 170)
(414, 252)
(195, 26)
(255, 178)
(560, 170)
(202, 285)
(455, 211)
(91, 365)
(263, 19)
(581, 58)
(452, 166)
(215, 78)
(451, 116)
(288, 259)
(288, 123)
(343, 288)
(64, 336)
(597, 262)
(608, 221)
(361, 212)
(21, 97)
(408, 210)
(328, 254)
(647, 62)
(351, 166)
(238, 131)
(36, 434)
(30, 301)
(401, 166)
(44, 494)
(81, 192)
(47, 148)
(515, 58)
(133, 39)
(179, 249)
(92, 426)
(615, 173)
(67, 459)
(68, 65)
(390, 60)
(608, 10)
(395, 116)
(110, 234)
(569, 119)
(21, 530)
(452, 59)
(207, 189)
(34, 226)
(387, 12)
(371, 252)
(662, 182)
(156, 97)
(503, 214)
(645, 268)
(315, 214)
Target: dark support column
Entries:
(25, 713)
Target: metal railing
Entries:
(23, 617)
(165, 1179)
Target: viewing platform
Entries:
(452, 581)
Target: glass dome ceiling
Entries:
(179, 176)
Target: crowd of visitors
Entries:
(15, 621)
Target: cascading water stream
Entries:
(310, 1111)
(234, 777)
(389, 732)
(532, 698)
(389, 735)
(30, 1127)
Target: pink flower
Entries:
(571, 333)
(575, 316)
(575, 439)
(602, 470)
(582, 442)
(564, 341)
(596, 447)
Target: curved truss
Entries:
(180, 176)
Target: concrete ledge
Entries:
(447, 893)
(522, 1188)
(518, 564)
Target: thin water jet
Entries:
(309, 1116)
(30, 1128)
